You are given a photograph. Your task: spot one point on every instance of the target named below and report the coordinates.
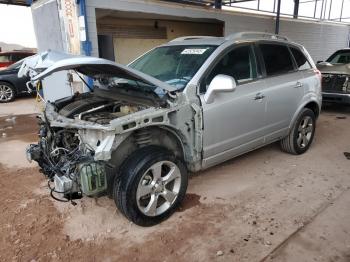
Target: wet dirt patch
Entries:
(18, 127)
(31, 228)
(341, 117)
(191, 200)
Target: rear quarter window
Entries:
(277, 59)
(300, 59)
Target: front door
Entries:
(234, 123)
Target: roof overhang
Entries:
(17, 2)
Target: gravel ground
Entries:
(263, 206)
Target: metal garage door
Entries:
(132, 41)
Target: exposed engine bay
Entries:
(64, 158)
(95, 109)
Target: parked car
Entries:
(336, 77)
(190, 104)
(11, 85)
(9, 58)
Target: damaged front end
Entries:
(76, 138)
(335, 82)
(78, 134)
(68, 164)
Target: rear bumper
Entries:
(336, 98)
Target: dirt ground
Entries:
(263, 206)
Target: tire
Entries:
(301, 135)
(146, 197)
(7, 92)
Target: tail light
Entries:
(318, 73)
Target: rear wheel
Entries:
(151, 185)
(301, 135)
(7, 92)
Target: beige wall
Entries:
(127, 49)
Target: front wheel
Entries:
(301, 135)
(151, 185)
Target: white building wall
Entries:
(321, 39)
(48, 34)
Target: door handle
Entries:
(298, 84)
(259, 96)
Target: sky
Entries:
(307, 8)
(16, 25)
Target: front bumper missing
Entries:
(83, 177)
(336, 98)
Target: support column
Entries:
(277, 28)
(296, 9)
(218, 4)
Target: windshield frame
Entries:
(187, 80)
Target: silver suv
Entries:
(190, 104)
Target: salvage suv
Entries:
(184, 106)
(336, 77)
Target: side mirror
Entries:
(318, 62)
(220, 83)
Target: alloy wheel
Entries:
(158, 188)
(6, 93)
(305, 131)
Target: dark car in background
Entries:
(10, 85)
(9, 58)
(336, 77)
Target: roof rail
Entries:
(193, 37)
(249, 35)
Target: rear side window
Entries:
(300, 59)
(4, 58)
(277, 59)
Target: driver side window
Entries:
(239, 63)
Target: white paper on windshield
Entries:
(194, 51)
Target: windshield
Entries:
(340, 57)
(175, 65)
(111, 82)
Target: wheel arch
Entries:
(311, 104)
(163, 136)
(314, 107)
(10, 83)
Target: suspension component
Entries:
(143, 137)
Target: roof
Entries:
(197, 40)
(210, 40)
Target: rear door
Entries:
(310, 80)
(234, 122)
(284, 89)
